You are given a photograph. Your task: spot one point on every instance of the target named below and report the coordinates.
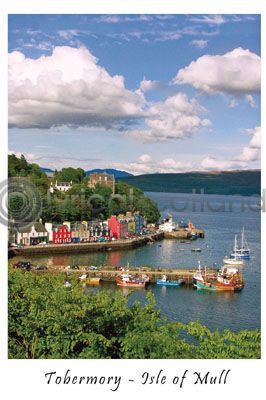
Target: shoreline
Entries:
(85, 247)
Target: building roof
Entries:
(39, 227)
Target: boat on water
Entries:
(233, 261)
(243, 250)
(127, 280)
(93, 280)
(196, 250)
(227, 279)
(165, 282)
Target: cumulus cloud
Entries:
(214, 19)
(213, 164)
(68, 88)
(146, 85)
(175, 118)
(200, 44)
(250, 100)
(251, 152)
(235, 73)
(145, 164)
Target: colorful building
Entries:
(118, 227)
(62, 234)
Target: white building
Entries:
(61, 186)
(32, 234)
(168, 225)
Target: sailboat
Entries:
(242, 251)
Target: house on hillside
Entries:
(102, 179)
(61, 186)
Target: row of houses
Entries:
(117, 227)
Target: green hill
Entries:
(245, 183)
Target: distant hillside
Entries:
(46, 169)
(117, 173)
(244, 183)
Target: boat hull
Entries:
(241, 256)
(130, 284)
(93, 281)
(216, 286)
(167, 283)
(234, 261)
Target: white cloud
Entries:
(250, 100)
(213, 164)
(177, 117)
(236, 73)
(233, 103)
(144, 158)
(200, 44)
(146, 85)
(211, 19)
(68, 88)
(251, 152)
(146, 165)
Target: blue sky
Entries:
(143, 93)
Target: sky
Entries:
(140, 93)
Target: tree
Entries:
(48, 320)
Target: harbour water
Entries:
(221, 217)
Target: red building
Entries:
(62, 235)
(118, 227)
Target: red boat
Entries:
(126, 280)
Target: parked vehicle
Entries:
(41, 268)
(25, 265)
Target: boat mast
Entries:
(235, 246)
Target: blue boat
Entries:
(165, 282)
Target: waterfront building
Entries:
(139, 222)
(118, 226)
(102, 179)
(168, 225)
(62, 234)
(32, 234)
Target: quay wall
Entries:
(86, 247)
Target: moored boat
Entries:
(93, 280)
(165, 282)
(243, 250)
(233, 261)
(127, 280)
(228, 279)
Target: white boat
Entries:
(233, 261)
(242, 251)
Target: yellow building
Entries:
(102, 179)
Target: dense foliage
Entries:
(245, 183)
(48, 320)
(81, 203)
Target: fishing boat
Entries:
(127, 280)
(93, 280)
(228, 279)
(165, 282)
(243, 251)
(198, 276)
(233, 261)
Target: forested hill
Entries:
(244, 183)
